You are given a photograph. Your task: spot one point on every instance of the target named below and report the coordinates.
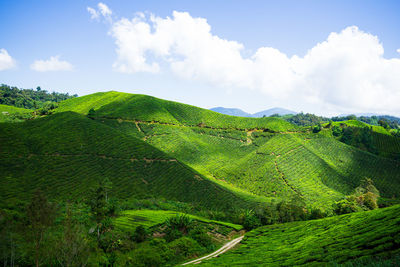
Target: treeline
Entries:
(365, 197)
(308, 119)
(29, 98)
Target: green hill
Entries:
(66, 154)
(115, 105)
(13, 114)
(316, 243)
(267, 157)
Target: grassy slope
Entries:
(11, 110)
(130, 219)
(147, 108)
(319, 168)
(335, 239)
(386, 144)
(66, 154)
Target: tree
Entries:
(317, 128)
(98, 206)
(91, 114)
(383, 123)
(73, 248)
(140, 234)
(40, 215)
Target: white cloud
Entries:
(398, 50)
(53, 64)
(102, 9)
(346, 72)
(105, 11)
(6, 61)
(93, 13)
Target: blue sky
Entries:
(252, 55)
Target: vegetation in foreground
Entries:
(334, 240)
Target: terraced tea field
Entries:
(323, 242)
(130, 219)
(66, 154)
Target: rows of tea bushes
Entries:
(66, 154)
(146, 108)
(324, 242)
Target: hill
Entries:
(316, 243)
(143, 108)
(66, 154)
(14, 114)
(231, 111)
(276, 160)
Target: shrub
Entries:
(140, 234)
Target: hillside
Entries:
(282, 162)
(66, 154)
(11, 113)
(316, 243)
(115, 105)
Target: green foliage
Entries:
(140, 234)
(129, 220)
(29, 98)
(308, 119)
(14, 114)
(40, 216)
(365, 197)
(317, 128)
(318, 242)
(180, 222)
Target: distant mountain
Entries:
(241, 113)
(231, 111)
(271, 111)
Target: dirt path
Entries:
(223, 249)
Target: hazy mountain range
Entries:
(241, 113)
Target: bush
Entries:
(201, 237)
(186, 247)
(140, 234)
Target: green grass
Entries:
(66, 154)
(130, 219)
(316, 243)
(7, 113)
(146, 108)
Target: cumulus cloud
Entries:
(6, 61)
(52, 64)
(347, 71)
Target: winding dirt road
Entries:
(223, 249)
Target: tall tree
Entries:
(73, 248)
(40, 215)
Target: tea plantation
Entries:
(323, 242)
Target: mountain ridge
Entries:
(240, 113)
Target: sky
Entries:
(321, 57)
